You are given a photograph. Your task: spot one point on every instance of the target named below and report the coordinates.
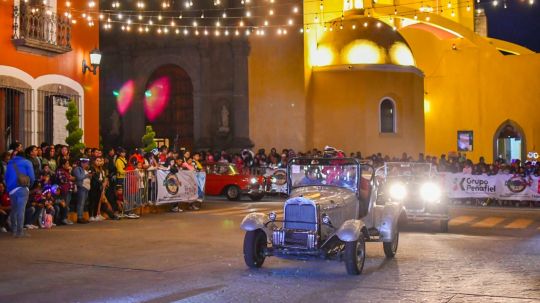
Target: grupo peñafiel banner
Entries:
(501, 187)
(179, 187)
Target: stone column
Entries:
(240, 116)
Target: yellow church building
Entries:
(395, 76)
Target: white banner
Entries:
(501, 187)
(179, 187)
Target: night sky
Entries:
(519, 23)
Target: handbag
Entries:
(22, 179)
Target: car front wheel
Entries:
(233, 193)
(355, 255)
(254, 248)
(390, 248)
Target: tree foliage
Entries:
(75, 133)
(148, 139)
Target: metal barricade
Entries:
(139, 189)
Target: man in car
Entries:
(312, 177)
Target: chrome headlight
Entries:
(273, 180)
(272, 215)
(430, 192)
(253, 180)
(398, 191)
(326, 219)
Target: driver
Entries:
(312, 177)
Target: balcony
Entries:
(38, 30)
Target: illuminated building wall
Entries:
(42, 74)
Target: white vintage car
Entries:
(331, 213)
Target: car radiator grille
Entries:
(296, 216)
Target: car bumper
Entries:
(415, 215)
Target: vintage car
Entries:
(416, 186)
(330, 214)
(225, 179)
(276, 181)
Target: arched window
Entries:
(387, 116)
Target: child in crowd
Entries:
(5, 208)
(119, 197)
(60, 207)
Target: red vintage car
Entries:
(225, 179)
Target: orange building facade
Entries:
(41, 54)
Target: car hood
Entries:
(326, 197)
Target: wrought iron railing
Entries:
(37, 28)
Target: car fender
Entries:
(389, 221)
(350, 230)
(254, 221)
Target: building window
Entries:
(51, 115)
(387, 116)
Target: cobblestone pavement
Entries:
(197, 257)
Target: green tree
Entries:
(75, 133)
(148, 139)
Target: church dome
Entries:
(362, 40)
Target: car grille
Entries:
(294, 239)
(296, 216)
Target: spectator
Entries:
(66, 184)
(121, 165)
(19, 176)
(82, 179)
(5, 208)
(98, 183)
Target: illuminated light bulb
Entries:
(316, 19)
(186, 32)
(295, 9)
(279, 31)
(129, 21)
(395, 11)
(495, 2)
(248, 32)
(186, 4)
(449, 5)
(354, 26)
(159, 30)
(177, 31)
(365, 24)
(428, 18)
(248, 14)
(241, 24)
(84, 15)
(290, 22)
(262, 32)
(140, 17)
(123, 28)
(140, 29)
(394, 28)
(146, 29)
(89, 18)
(301, 31)
(195, 23)
(271, 1)
(224, 15)
(265, 23)
(218, 24)
(321, 7)
(100, 16)
(166, 30)
(74, 21)
(415, 17)
(196, 32)
(236, 33)
(379, 24)
(453, 14)
(468, 8)
(531, 2)
(150, 22)
(271, 12)
(505, 5)
(331, 29)
(159, 17)
(308, 29)
(217, 33)
(341, 26)
(226, 32)
(90, 4)
(242, 2)
(173, 23)
(120, 16)
(205, 32)
(68, 3)
(202, 15)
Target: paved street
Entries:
(490, 255)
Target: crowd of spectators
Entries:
(60, 182)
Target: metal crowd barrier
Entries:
(140, 189)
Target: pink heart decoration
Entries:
(125, 97)
(156, 101)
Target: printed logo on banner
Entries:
(517, 184)
(172, 184)
(473, 185)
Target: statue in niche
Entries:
(224, 128)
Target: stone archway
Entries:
(509, 142)
(168, 103)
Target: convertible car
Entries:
(414, 185)
(225, 179)
(331, 213)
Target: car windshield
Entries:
(325, 172)
(407, 169)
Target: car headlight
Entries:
(398, 191)
(253, 180)
(272, 216)
(273, 180)
(430, 192)
(326, 219)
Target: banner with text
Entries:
(179, 187)
(502, 186)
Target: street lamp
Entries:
(95, 60)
